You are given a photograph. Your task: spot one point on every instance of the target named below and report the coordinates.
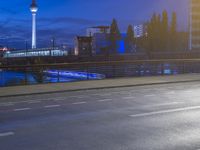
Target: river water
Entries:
(9, 78)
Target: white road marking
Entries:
(25, 101)
(36, 101)
(22, 109)
(117, 92)
(189, 91)
(78, 103)
(150, 95)
(96, 94)
(78, 96)
(30, 101)
(51, 106)
(171, 92)
(33, 102)
(6, 134)
(165, 104)
(6, 104)
(107, 94)
(59, 99)
(48, 99)
(104, 100)
(165, 111)
(130, 97)
(22, 102)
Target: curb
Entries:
(99, 88)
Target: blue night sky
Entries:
(64, 19)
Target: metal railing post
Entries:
(114, 71)
(183, 67)
(162, 69)
(26, 76)
(87, 72)
(58, 79)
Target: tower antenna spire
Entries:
(33, 3)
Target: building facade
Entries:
(97, 30)
(194, 25)
(97, 41)
(140, 30)
(83, 46)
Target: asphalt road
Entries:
(159, 117)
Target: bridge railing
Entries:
(66, 72)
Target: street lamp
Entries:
(53, 45)
(26, 46)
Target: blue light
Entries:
(121, 49)
(74, 74)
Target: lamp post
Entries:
(53, 45)
(26, 46)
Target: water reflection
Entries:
(8, 78)
(15, 78)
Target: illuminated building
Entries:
(194, 25)
(98, 29)
(100, 38)
(140, 30)
(35, 53)
(34, 9)
(3, 50)
(97, 41)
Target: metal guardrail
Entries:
(102, 63)
(64, 72)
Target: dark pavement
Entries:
(156, 117)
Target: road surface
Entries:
(159, 117)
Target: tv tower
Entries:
(34, 9)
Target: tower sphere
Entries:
(34, 7)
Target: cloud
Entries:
(7, 11)
(69, 21)
(16, 35)
(64, 29)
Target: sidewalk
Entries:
(96, 84)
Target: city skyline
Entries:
(73, 17)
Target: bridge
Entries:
(129, 113)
